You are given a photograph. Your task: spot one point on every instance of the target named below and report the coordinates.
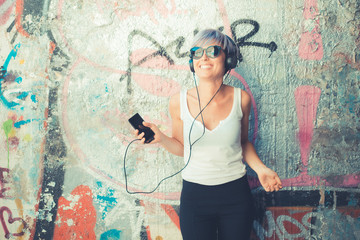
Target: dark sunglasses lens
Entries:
(213, 51)
(198, 53)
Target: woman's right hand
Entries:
(154, 128)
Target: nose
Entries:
(204, 56)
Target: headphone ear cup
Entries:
(191, 65)
(230, 62)
(231, 58)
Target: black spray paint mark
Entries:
(159, 51)
(53, 175)
(36, 10)
(55, 153)
(179, 42)
(242, 41)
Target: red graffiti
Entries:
(286, 223)
(18, 19)
(170, 211)
(76, 217)
(11, 220)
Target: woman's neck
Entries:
(208, 89)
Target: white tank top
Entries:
(217, 157)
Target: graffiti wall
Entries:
(73, 72)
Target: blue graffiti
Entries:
(22, 122)
(4, 73)
(112, 234)
(106, 201)
(22, 95)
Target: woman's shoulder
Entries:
(174, 105)
(244, 94)
(245, 100)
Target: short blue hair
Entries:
(212, 35)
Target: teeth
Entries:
(205, 66)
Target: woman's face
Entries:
(210, 67)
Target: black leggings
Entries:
(223, 212)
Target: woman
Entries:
(216, 201)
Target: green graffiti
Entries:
(7, 126)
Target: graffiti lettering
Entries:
(286, 226)
(158, 51)
(162, 51)
(241, 42)
(11, 220)
(307, 223)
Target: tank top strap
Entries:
(238, 101)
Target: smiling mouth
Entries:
(205, 66)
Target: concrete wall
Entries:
(74, 71)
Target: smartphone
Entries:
(137, 122)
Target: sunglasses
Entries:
(211, 52)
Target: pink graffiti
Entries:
(76, 217)
(6, 7)
(306, 100)
(11, 220)
(311, 46)
(141, 8)
(155, 85)
(225, 17)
